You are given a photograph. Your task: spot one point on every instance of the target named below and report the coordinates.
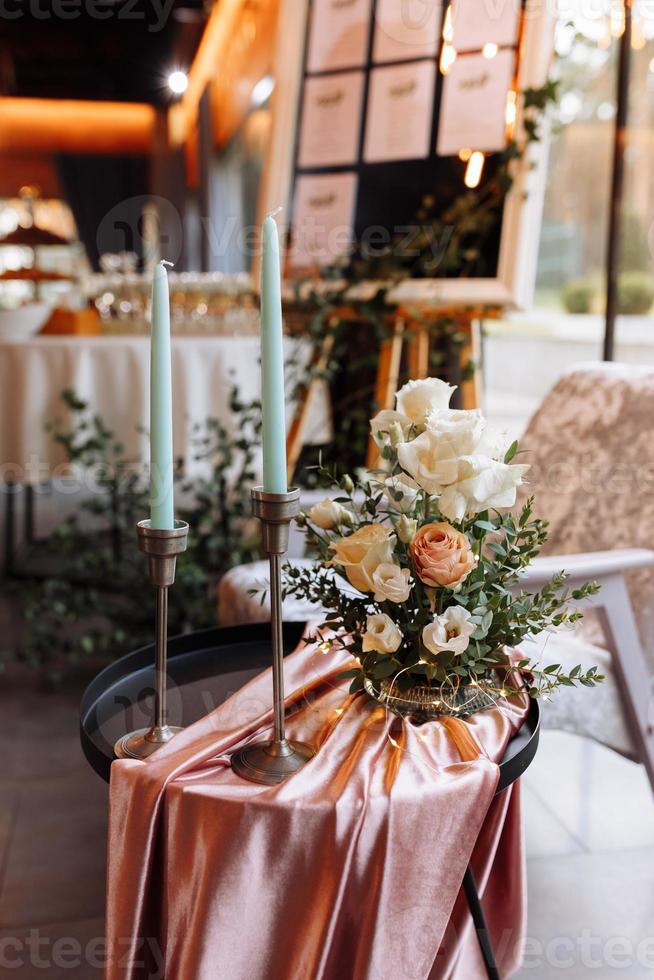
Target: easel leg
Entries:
(481, 928)
(297, 433)
(388, 373)
(471, 351)
(418, 354)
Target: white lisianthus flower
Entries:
(391, 583)
(382, 634)
(482, 483)
(406, 529)
(450, 631)
(402, 484)
(418, 399)
(389, 427)
(328, 514)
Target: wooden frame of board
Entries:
(512, 286)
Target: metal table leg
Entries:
(470, 888)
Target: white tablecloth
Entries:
(112, 375)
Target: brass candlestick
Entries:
(162, 547)
(272, 761)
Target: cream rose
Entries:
(328, 514)
(418, 399)
(362, 552)
(450, 631)
(391, 583)
(454, 460)
(442, 556)
(482, 483)
(432, 459)
(382, 634)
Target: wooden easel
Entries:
(405, 331)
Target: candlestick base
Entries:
(145, 741)
(270, 762)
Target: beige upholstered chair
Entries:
(591, 449)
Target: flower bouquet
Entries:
(418, 564)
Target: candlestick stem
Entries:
(272, 761)
(162, 546)
(161, 654)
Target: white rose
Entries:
(482, 483)
(457, 430)
(391, 583)
(406, 529)
(429, 462)
(387, 426)
(328, 514)
(382, 634)
(417, 399)
(450, 631)
(402, 484)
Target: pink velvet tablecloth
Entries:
(349, 870)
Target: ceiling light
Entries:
(178, 82)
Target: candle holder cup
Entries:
(273, 760)
(162, 546)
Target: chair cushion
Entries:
(596, 712)
(592, 472)
(236, 605)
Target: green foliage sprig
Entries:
(97, 602)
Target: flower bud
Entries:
(396, 434)
(406, 529)
(347, 485)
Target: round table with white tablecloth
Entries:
(111, 373)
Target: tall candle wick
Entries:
(166, 262)
(271, 214)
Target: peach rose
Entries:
(361, 553)
(442, 555)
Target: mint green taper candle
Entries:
(272, 364)
(161, 406)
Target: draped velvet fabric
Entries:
(350, 869)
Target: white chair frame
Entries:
(635, 681)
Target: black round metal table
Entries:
(204, 669)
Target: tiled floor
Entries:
(589, 818)
(590, 836)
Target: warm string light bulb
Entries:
(511, 112)
(489, 50)
(448, 57)
(474, 169)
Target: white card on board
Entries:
(323, 213)
(473, 105)
(479, 22)
(339, 34)
(400, 110)
(331, 120)
(406, 29)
